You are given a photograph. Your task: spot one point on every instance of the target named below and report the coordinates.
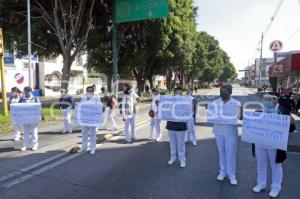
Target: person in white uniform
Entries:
(129, 102)
(30, 130)
(89, 131)
(15, 98)
(265, 155)
(191, 132)
(226, 136)
(176, 132)
(65, 106)
(155, 129)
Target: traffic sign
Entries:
(276, 46)
(135, 10)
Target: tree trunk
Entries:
(151, 82)
(66, 72)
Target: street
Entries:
(135, 171)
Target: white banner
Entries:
(266, 129)
(26, 113)
(222, 114)
(89, 114)
(175, 108)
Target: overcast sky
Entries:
(238, 25)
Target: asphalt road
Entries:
(136, 171)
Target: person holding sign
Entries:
(15, 98)
(89, 130)
(155, 130)
(191, 132)
(265, 155)
(225, 112)
(30, 130)
(177, 131)
(65, 106)
(128, 108)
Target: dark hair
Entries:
(90, 88)
(15, 89)
(228, 87)
(27, 88)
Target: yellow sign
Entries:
(1, 42)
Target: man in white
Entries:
(65, 106)
(129, 101)
(155, 129)
(89, 130)
(191, 132)
(226, 135)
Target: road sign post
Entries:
(3, 86)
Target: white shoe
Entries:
(171, 162)
(16, 139)
(221, 177)
(82, 150)
(258, 188)
(233, 181)
(24, 148)
(150, 138)
(92, 152)
(274, 193)
(63, 132)
(35, 147)
(128, 140)
(70, 131)
(182, 164)
(194, 143)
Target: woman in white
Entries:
(265, 155)
(155, 129)
(15, 98)
(88, 130)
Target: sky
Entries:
(238, 26)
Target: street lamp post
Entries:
(30, 79)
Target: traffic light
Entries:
(1, 43)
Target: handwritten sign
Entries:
(220, 113)
(26, 113)
(175, 108)
(266, 129)
(89, 114)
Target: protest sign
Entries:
(26, 113)
(175, 108)
(89, 114)
(266, 129)
(220, 113)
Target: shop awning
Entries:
(287, 65)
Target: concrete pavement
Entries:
(137, 170)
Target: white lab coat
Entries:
(155, 128)
(129, 127)
(17, 127)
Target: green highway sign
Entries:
(135, 10)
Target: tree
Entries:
(64, 27)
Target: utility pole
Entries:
(30, 78)
(261, 59)
(3, 86)
(115, 77)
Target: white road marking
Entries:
(18, 181)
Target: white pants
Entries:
(263, 156)
(177, 145)
(155, 130)
(66, 115)
(130, 128)
(17, 131)
(191, 133)
(30, 135)
(111, 117)
(227, 148)
(86, 132)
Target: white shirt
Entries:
(154, 104)
(131, 97)
(226, 129)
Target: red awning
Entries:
(285, 66)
